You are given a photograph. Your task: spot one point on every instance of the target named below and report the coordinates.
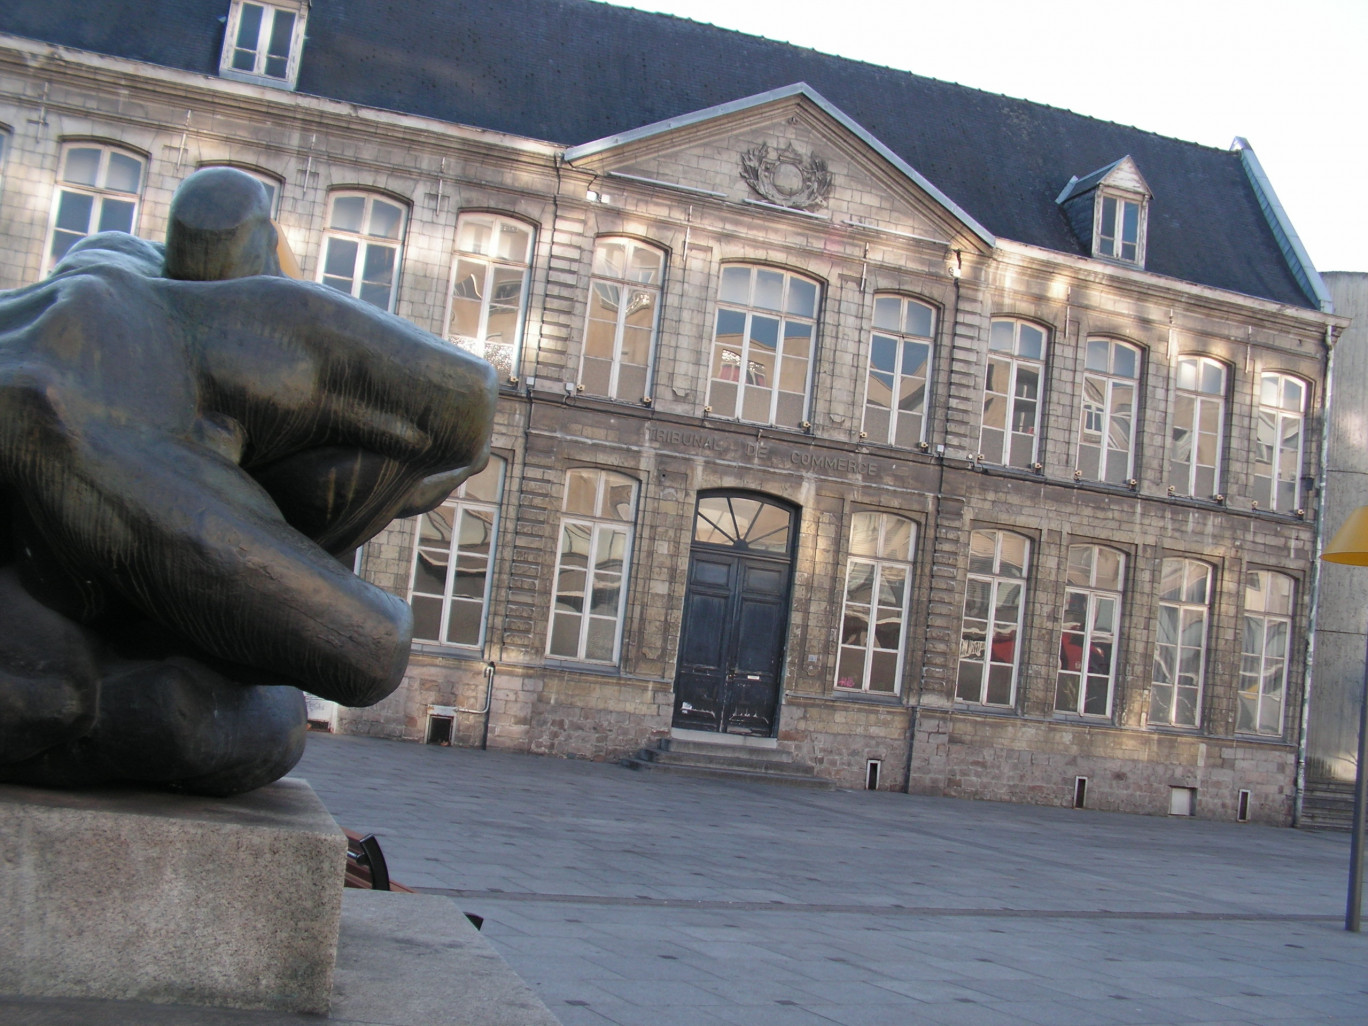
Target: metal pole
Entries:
(1354, 909)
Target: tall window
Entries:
(1198, 427)
(489, 288)
(97, 191)
(1120, 229)
(591, 566)
(1087, 644)
(624, 310)
(361, 248)
(993, 601)
(874, 618)
(1180, 647)
(262, 42)
(452, 557)
(1264, 655)
(1011, 393)
(899, 368)
(762, 349)
(1278, 442)
(1106, 440)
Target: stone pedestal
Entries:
(137, 896)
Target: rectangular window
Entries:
(1011, 394)
(1119, 229)
(874, 615)
(624, 311)
(361, 247)
(452, 561)
(489, 289)
(763, 346)
(899, 372)
(1264, 654)
(994, 599)
(1106, 439)
(1092, 617)
(1180, 643)
(97, 191)
(1198, 432)
(1278, 442)
(592, 564)
(262, 43)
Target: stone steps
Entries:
(726, 761)
(1328, 807)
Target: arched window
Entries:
(489, 288)
(1180, 643)
(763, 346)
(874, 613)
(624, 311)
(1278, 442)
(1265, 652)
(994, 597)
(1092, 617)
(899, 371)
(1198, 427)
(1106, 437)
(1011, 393)
(97, 191)
(452, 558)
(361, 248)
(592, 566)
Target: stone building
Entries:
(947, 442)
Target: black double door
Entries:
(731, 644)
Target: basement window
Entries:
(262, 42)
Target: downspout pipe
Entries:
(1318, 546)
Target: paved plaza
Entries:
(652, 900)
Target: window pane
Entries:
(348, 213)
(124, 173)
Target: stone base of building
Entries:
(137, 896)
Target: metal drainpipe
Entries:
(1318, 542)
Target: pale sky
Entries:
(1291, 76)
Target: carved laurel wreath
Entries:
(785, 177)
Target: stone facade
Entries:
(881, 232)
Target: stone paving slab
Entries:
(645, 900)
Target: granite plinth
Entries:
(138, 896)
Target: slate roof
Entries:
(572, 71)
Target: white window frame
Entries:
(1085, 582)
(1104, 372)
(895, 326)
(1109, 241)
(260, 72)
(626, 284)
(100, 195)
(1011, 350)
(364, 241)
(1266, 610)
(1208, 405)
(974, 672)
(753, 308)
(461, 503)
(1169, 681)
(504, 354)
(1278, 467)
(602, 526)
(885, 566)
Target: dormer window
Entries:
(262, 42)
(1108, 211)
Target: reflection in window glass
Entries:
(1011, 393)
(1198, 433)
(1180, 645)
(261, 42)
(489, 288)
(592, 566)
(1106, 441)
(1265, 651)
(763, 346)
(97, 191)
(899, 370)
(362, 246)
(993, 604)
(874, 612)
(452, 561)
(1278, 442)
(624, 311)
(1087, 644)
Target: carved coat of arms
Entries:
(786, 177)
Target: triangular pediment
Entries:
(788, 149)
